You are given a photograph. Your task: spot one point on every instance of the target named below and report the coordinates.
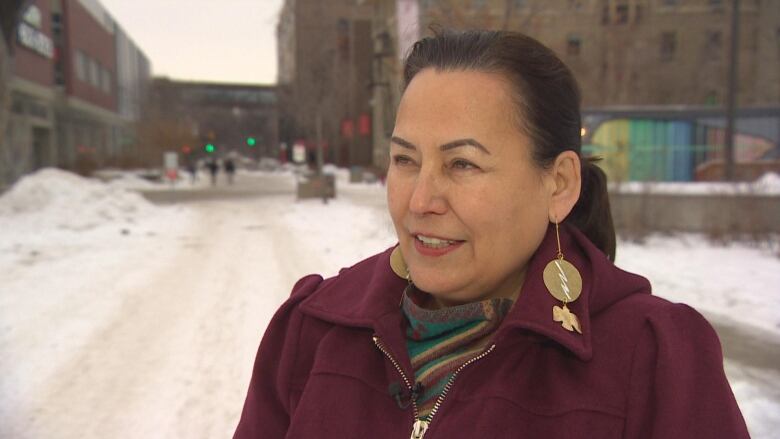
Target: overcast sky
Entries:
(206, 40)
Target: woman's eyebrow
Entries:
(464, 142)
(403, 143)
(447, 146)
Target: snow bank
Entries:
(131, 181)
(52, 198)
(769, 184)
(730, 283)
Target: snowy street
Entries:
(120, 318)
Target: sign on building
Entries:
(29, 33)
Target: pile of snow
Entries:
(769, 184)
(59, 199)
(184, 181)
(131, 181)
(340, 174)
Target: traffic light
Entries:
(250, 141)
(210, 148)
(186, 149)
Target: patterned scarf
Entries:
(440, 341)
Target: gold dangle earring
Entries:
(398, 265)
(565, 284)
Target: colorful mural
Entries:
(665, 150)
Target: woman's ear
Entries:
(567, 178)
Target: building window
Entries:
(94, 73)
(81, 66)
(621, 14)
(716, 5)
(518, 4)
(711, 99)
(56, 28)
(59, 77)
(714, 45)
(105, 81)
(605, 15)
(573, 45)
(668, 45)
(670, 2)
(17, 107)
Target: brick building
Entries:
(76, 85)
(29, 134)
(325, 52)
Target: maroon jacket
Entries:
(642, 368)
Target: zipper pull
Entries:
(419, 429)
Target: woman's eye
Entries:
(463, 164)
(402, 160)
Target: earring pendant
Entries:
(564, 283)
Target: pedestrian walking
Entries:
(500, 313)
(192, 169)
(230, 169)
(213, 168)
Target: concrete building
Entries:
(133, 80)
(640, 52)
(626, 54)
(325, 55)
(76, 87)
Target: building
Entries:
(325, 52)
(670, 56)
(76, 86)
(202, 118)
(30, 128)
(395, 29)
(640, 52)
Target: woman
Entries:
(499, 313)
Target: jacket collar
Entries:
(368, 293)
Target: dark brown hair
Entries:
(547, 98)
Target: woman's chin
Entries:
(444, 292)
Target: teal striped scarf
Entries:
(440, 341)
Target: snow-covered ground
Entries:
(123, 319)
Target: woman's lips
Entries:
(433, 246)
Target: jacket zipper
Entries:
(450, 382)
(420, 426)
(381, 347)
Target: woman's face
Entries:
(467, 202)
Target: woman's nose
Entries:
(428, 194)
